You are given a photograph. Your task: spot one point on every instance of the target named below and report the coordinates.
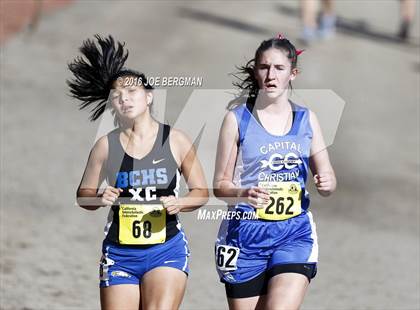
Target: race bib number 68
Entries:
(142, 224)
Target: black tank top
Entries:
(157, 170)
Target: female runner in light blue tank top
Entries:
(267, 256)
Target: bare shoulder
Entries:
(180, 144)
(314, 122)
(100, 149)
(179, 137)
(313, 118)
(230, 119)
(318, 142)
(229, 130)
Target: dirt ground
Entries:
(368, 230)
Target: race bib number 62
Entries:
(226, 257)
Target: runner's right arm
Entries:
(87, 192)
(227, 150)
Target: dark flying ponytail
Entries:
(94, 74)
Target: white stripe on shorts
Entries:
(186, 250)
(314, 253)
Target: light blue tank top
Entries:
(263, 157)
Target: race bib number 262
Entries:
(285, 201)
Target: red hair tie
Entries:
(280, 36)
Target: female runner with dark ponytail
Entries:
(145, 252)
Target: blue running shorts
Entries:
(127, 265)
(251, 249)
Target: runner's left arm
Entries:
(319, 161)
(190, 166)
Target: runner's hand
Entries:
(170, 203)
(110, 195)
(257, 197)
(324, 182)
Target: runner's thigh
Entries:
(163, 288)
(122, 297)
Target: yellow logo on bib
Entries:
(293, 189)
(142, 224)
(285, 201)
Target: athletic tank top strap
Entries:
(165, 134)
(243, 117)
(115, 156)
(298, 116)
(243, 123)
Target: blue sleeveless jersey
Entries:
(263, 157)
